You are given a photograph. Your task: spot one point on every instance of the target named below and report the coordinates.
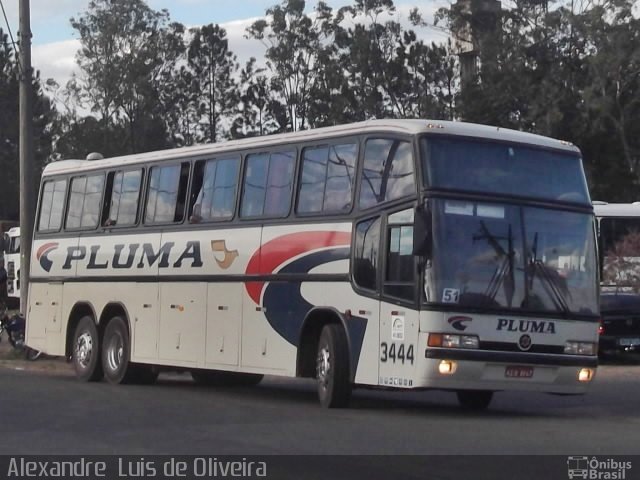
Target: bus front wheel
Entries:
(85, 353)
(474, 399)
(332, 367)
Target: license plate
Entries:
(516, 371)
(627, 342)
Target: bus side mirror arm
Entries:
(422, 235)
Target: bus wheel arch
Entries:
(309, 337)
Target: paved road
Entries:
(51, 413)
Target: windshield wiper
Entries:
(550, 283)
(504, 274)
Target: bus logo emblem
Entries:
(525, 342)
(42, 255)
(459, 322)
(229, 255)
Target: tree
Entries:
(293, 41)
(213, 88)
(43, 115)
(255, 115)
(613, 93)
(125, 51)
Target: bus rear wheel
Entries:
(115, 353)
(332, 368)
(85, 352)
(474, 399)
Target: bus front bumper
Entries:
(466, 369)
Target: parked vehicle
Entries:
(14, 326)
(619, 247)
(12, 264)
(620, 327)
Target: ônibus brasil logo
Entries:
(458, 322)
(42, 255)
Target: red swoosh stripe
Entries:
(43, 249)
(277, 251)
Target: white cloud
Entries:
(56, 60)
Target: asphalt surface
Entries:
(44, 410)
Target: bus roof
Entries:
(602, 209)
(411, 127)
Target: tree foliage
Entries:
(571, 72)
(43, 114)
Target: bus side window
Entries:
(85, 202)
(213, 195)
(268, 184)
(124, 198)
(388, 172)
(399, 279)
(366, 258)
(400, 271)
(167, 194)
(51, 205)
(326, 183)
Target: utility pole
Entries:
(27, 181)
(480, 18)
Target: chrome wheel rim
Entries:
(115, 352)
(84, 349)
(323, 367)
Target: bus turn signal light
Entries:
(452, 340)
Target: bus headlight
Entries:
(452, 340)
(447, 367)
(585, 375)
(580, 348)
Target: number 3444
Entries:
(396, 353)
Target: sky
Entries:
(55, 42)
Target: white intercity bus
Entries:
(403, 254)
(12, 261)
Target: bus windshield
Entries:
(502, 168)
(14, 245)
(503, 256)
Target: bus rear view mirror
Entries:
(422, 238)
(4, 243)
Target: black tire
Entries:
(474, 399)
(219, 378)
(332, 368)
(85, 351)
(116, 353)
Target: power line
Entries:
(15, 48)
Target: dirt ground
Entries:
(12, 359)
